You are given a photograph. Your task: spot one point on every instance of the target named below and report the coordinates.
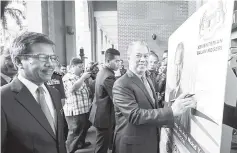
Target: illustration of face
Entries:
(179, 62)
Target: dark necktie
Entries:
(42, 102)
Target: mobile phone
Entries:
(189, 95)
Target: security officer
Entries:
(57, 83)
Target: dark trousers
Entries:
(65, 128)
(104, 139)
(78, 126)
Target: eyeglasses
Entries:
(43, 57)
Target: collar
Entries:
(5, 77)
(108, 68)
(138, 75)
(30, 85)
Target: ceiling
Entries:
(107, 22)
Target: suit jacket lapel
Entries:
(3, 81)
(139, 83)
(27, 100)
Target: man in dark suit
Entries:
(161, 77)
(137, 114)
(31, 111)
(152, 65)
(57, 83)
(121, 70)
(7, 68)
(102, 112)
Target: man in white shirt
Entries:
(31, 114)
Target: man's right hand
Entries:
(86, 75)
(181, 104)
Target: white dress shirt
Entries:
(33, 87)
(117, 73)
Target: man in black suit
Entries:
(137, 113)
(7, 68)
(57, 83)
(102, 112)
(152, 65)
(121, 68)
(31, 114)
(161, 77)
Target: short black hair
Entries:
(166, 51)
(22, 44)
(75, 61)
(111, 53)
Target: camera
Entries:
(92, 70)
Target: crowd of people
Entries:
(48, 107)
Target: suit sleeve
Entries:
(230, 116)
(62, 92)
(125, 101)
(108, 84)
(3, 129)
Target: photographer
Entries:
(77, 104)
(93, 69)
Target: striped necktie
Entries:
(148, 88)
(40, 93)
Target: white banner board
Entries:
(197, 63)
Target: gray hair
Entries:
(136, 43)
